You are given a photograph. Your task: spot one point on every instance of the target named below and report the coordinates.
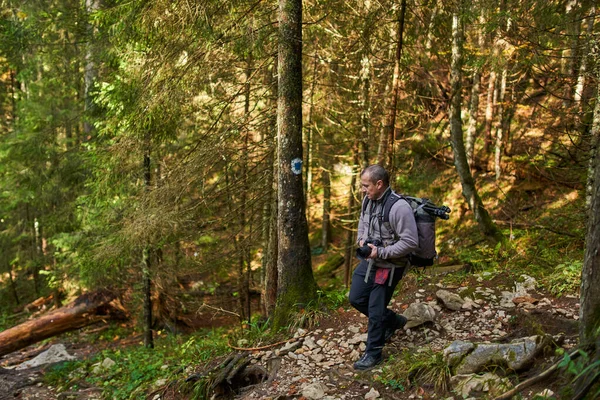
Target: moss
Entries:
(293, 300)
(333, 262)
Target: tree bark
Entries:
(578, 93)
(326, 225)
(474, 105)
(500, 124)
(270, 210)
(589, 312)
(90, 71)
(460, 159)
(385, 154)
(569, 54)
(309, 139)
(87, 309)
(489, 111)
(296, 285)
(352, 218)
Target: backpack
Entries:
(425, 213)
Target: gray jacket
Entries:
(396, 247)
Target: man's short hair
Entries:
(377, 173)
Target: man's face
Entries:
(373, 190)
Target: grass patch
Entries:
(421, 367)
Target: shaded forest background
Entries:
(138, 139)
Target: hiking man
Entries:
(377, 275)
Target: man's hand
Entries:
(373, 251)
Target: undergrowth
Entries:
(138, 370)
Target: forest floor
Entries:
(317, 363)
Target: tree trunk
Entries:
(146, 268)
(309, 139)
(474, 112)
(474, 105)
(90, 70)
(364, 101)
(430, 33)
(85, 310)
(569, 54)
(270, 210)
(500, 125)
(589, 312)
(385, 154)
(460, 159)
(352, 218)
(296, 285)
(326, 225)
(578, 94)
(489, 111)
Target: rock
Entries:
(471, 384)
(514, 355)
(107, 363)
(529, 283)
(372, 394)
(314, 391)
(310, 343)
(289, 347)
(525, 299)
(544, 394)
(56, 353)
(457, 350)
(451, 300)
(417, 314)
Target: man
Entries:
(376, 277)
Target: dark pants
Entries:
(372, 299)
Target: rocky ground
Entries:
(317, 363)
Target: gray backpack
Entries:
(425, 213)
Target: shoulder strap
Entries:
(389, 202)
(365, 203)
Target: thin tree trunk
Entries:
(489, 110)
(385, 154)
(460, 159)
(352, 217)
(474, 105)
(430, 33)
(364, 100)
(579, 88)
(500, 125)
(146, 267)
(270, 209)
(569, 54)
(326, 225)
(296, 285)
(473, 114)
(90, 71)
(309, 140)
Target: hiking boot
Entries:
(368, 361)
(398, 323)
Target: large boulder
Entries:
(515, 355)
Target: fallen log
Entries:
(87, 309)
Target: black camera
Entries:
(365, 251)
